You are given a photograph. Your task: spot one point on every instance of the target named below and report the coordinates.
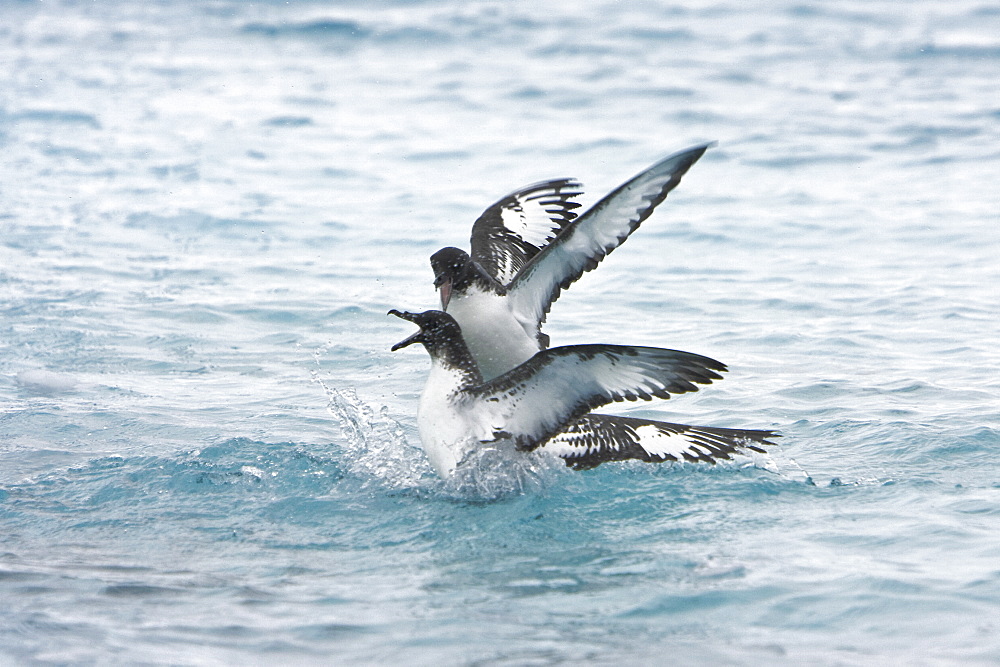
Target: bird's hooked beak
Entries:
(415, 338)
(443, 283)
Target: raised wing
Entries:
(595, 439)
(582, 245)
(536, 400)
(514, 229)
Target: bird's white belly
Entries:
(445, 432)
(495, 338)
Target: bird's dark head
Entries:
(437, 330)
(448, 262)
(450, 266)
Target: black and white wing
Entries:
(516, 228)
(595, 439)
(605, 226)
(536, 400)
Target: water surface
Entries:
(208, 454)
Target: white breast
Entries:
(496, 340)
(445, 433)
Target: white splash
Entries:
(40, 381)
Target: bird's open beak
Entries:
(415, 338)
(445, 289)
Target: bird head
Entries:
(437, 329)
(448, 265)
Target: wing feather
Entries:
(540, 397)
(581, 246)
(595, 439)
(515, 228)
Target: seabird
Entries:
(539, 403)
(526, 248)
(529, 246)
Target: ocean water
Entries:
(208, 454)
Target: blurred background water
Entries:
(208, 454)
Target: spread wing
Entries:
(536, 400)
(595, 439)
(514, 229)
(582, 245)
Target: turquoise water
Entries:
(208, 454)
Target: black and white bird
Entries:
(539, 403)
(526, 248)
(529, 246)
